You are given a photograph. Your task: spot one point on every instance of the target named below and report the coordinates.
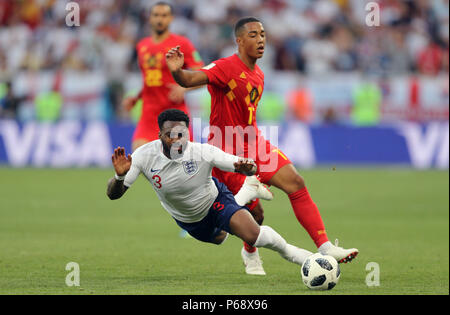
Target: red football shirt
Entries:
(156, 75)
(235, 92)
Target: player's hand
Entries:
(176, 93)
(129, 102)
(120, 161)
(246, 167)
(175, 59)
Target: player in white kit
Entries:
(180, 173)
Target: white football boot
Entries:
(340, 254)
(263, 191)
(252, 263)
(255, 189)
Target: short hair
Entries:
(162, 3)
(241, 23)
(172, 115)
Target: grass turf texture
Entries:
(48, 218)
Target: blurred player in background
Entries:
(236, 84)
(159, 91)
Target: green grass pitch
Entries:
(398, 219)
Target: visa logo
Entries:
(64, 144)
(427, 145)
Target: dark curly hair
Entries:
(172, 115)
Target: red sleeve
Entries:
(192, 59)
(217, 75)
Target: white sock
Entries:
(296, 255)
(269, 238)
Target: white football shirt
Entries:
(184, 185)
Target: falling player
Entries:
(180, 173)
(236, 84)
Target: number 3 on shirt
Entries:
(157, 181)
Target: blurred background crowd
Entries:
(310, 42)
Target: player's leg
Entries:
(245, 227)
(235, 183)
(250, 254)
(288, 180)
(245, 197)
(276, 169)
(257, 212)
(241, 223)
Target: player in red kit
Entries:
(159, 91)
(236, 84)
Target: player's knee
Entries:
(289, 180)
(298, 182)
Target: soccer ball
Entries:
(320, 272)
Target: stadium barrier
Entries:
(90, 96)
(90, 144)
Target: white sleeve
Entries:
(134, 171)
(217, 158)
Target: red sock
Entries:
(248, 248)
(308, 215)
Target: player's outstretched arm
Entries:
(122, 165)
(185, 78)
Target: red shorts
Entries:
(148, 129)
(268, 166)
